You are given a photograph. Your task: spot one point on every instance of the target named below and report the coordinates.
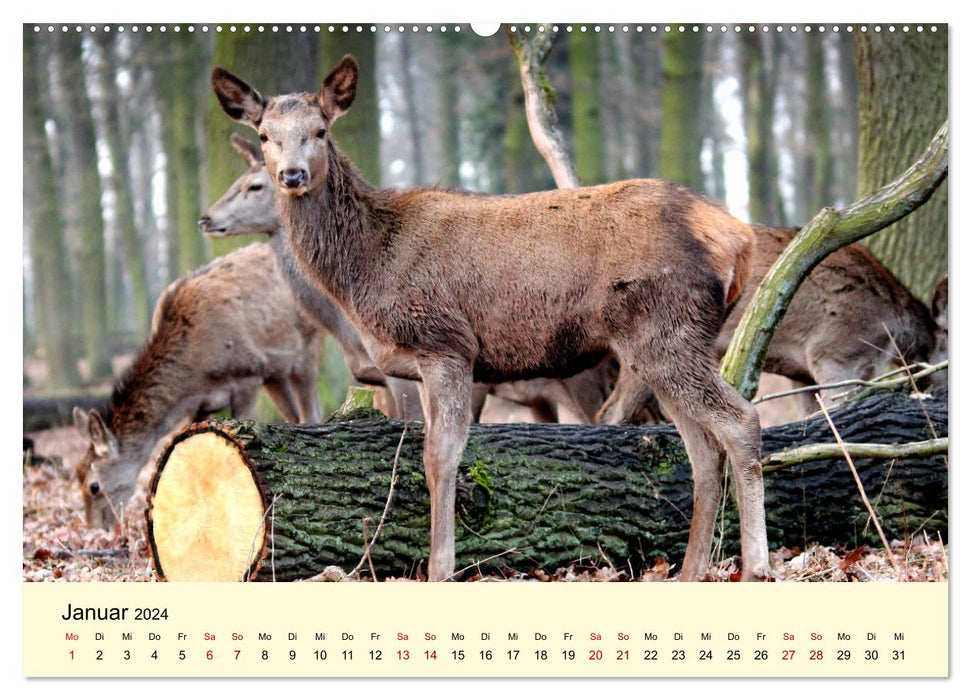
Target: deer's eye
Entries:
(255, 188)
(321, 133)
(94, 488)
(263, 138)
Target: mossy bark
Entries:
(681, 98)
(544, 496)
(587, 105)
(903, 99)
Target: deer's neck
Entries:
(333, 231)
(317, 303)
(153, 396)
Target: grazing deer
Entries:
(218, 334)
(247, 207)
(448, 287)
(846, 321)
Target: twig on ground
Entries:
(881, 382)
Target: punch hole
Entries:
(485, 28)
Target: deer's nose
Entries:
(293, 178)
(204, 222)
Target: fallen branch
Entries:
(829, 450)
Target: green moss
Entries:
(479, 472)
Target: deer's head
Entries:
(294, 129)
(106, 477)
(247, 206)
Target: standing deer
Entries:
(218, 334)
(247, 207)
(448, 287)
(846, 321)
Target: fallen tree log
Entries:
(43, 412)
(237, 499)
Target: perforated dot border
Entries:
(446, 28)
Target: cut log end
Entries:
(206, 512)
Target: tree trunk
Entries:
(647, 56)
(847, 117)
(412, 111)
(681, 96)
(42, 216)
(358, 131)
(530, 496)
(587, 118)
(121, 184)
(86, 187)
(450, 56)
(903, 100)
(274, 64)
(758, 83)
(818, 157)
(188, 70)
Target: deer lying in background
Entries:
(247, 207)
(939, 310)
(218, 335)
(847, 321)
(448, 288)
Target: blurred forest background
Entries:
(125, 145)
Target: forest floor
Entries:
(58, 547)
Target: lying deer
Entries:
(847, 321)
(247, 207)
(218, 335)
(448, 288)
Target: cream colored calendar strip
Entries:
(485, 629)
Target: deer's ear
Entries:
(338, 89)
(251, 152)
(102, 438)
(81, 422)
(238, 100)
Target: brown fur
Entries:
(248, 207)
(218, 335)
(450, 288)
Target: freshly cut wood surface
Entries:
(206, 511)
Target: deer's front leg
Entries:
(446, 391)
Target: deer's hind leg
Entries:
(669, 345)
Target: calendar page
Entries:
(514, 350)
